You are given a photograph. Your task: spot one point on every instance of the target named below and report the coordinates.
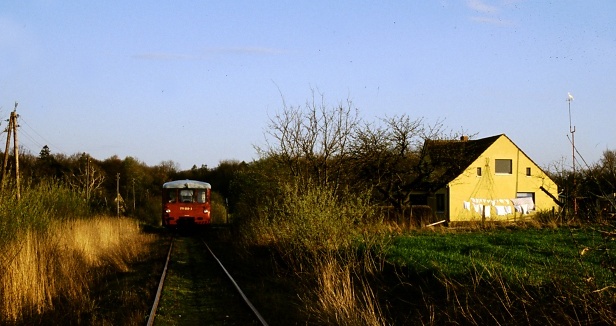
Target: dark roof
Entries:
(444, 160)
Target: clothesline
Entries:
(501, 206)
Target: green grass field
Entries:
(529, 256)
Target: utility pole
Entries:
(118, 194)
(572, 131)
(88, 179)
(12, 129)
(134, 200)
(8, 130)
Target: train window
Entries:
(186, 195)
(171, 196)
(201, 196)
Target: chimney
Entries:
(464, 138)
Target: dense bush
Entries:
(219, 209)
(150, 211)
(328, 238)
(308, 218)
(40, 204)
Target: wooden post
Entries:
(118, 193)
(11, 129)
(134, 200)
(226, 210)
(6, 151)
(88, 180)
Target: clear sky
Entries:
(195, 81)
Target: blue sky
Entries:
(195, 81)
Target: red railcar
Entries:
(186, 202)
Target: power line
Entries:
(47, 142)
(29, 137)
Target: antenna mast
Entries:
(572, 131)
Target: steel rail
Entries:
(160, 288)
(237, 287)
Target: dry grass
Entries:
(52, 267)
(343, 296)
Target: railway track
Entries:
(196, 288)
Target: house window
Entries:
(479, 171)
(528, 172)
(440, 203)
(503, 166)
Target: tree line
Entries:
(313, 144)
(102, 182)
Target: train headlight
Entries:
(205, 211)
(167, 211)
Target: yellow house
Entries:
(489, 178)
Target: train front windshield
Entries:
(186, 196)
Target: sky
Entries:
(196, 82)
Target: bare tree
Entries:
(87, 178)
(312, 141)
(332, 145)
(390, 158)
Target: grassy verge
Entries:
(531, 256)
(512, 276)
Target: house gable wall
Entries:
(496, 189)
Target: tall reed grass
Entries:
(59, 264)
(50, 250)
(343, 296)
